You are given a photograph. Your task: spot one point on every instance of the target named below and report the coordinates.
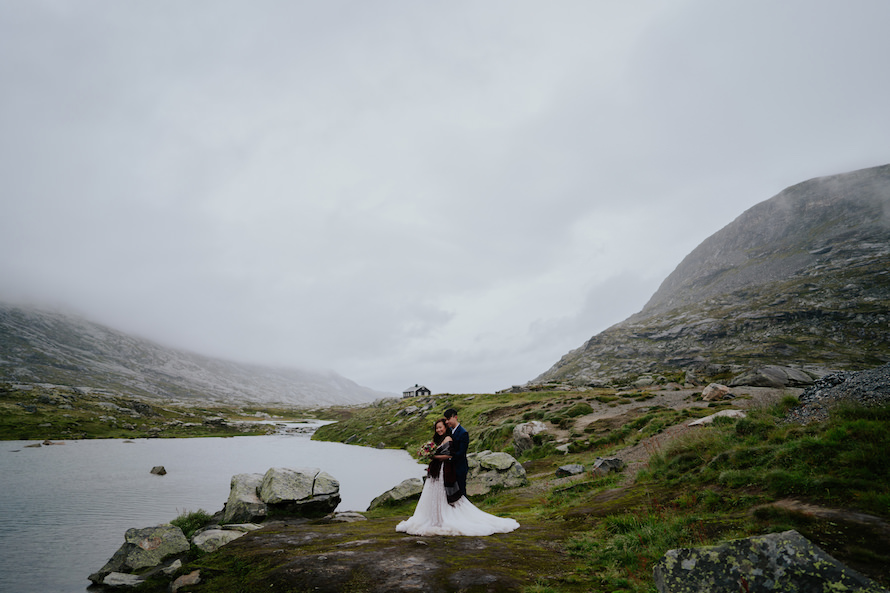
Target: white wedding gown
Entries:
(434, 516)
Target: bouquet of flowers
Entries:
(425, 453)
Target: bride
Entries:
(436, 514)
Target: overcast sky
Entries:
(447, 193)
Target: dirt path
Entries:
(637, 456)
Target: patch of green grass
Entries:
(578, 409)
(497, 437)
(539, 588)
(841, 461)
(580, 493)
(192, 521)
(619, 553)
(40, 412)
(489, 418)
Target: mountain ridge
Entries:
(800, 279)
(41, 346)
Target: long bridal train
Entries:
(434, 516)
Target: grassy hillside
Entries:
(45, 412)
(733, 478)
(491, 418)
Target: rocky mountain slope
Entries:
(47, 347)
(801, 280)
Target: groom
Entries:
(461, 443)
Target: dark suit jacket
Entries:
(459, 450)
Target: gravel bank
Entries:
(868, 388)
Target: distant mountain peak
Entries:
(41, 346)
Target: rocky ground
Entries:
(869, 388)
(636, 456)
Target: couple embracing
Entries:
(443, 508)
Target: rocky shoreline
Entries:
(158, 553)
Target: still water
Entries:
(64, 509)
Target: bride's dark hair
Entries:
(437, 438)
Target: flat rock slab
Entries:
(371, 556)
(572, 469)
(720, 414)
(213, 539)
(121, 579)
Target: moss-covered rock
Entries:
(785, 562)
(144, 549)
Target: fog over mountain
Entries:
(801, 279)
(38, 346)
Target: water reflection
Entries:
(65, 508)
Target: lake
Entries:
(64, 508)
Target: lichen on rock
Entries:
(786, 562)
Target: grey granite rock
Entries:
(244, 503)
(143, 549)
(409, 489)
(569, 470)
(785, 562)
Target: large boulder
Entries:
(244, 504)
(144, 549)
(409, 489)
(500, 462)
(786, 562)
(281, 484)
(772, 376)
(715, 392)
(523, 433)
(305, 492)
(493, 470)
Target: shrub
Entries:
(748, 427)
(190, 522)
(495, 438)
(579, 409)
